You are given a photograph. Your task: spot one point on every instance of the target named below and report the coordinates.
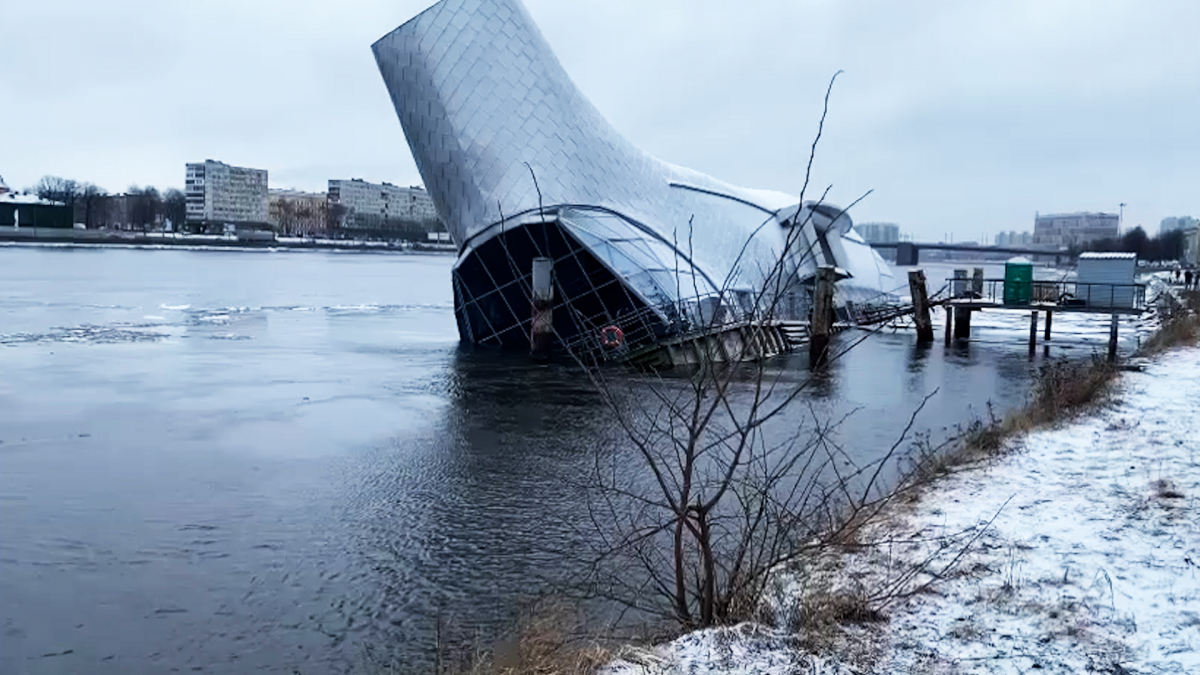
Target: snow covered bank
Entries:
(1084, 556)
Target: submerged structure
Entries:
(521, 166)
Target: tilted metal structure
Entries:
(520, 164)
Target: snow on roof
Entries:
(14, 198)
(1094, 255)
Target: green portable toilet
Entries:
(1018, 281)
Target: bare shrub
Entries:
(734, 478)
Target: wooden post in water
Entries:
(949, 323)
(1033, 332)
(1046, 336)
(541, 333)
(962, 323)
(920, 298)
(1112, 340)
(822, 316)
(962, 315)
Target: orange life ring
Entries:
(611, 336)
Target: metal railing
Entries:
(1066, 294)
(686, 319)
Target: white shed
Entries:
(1106, 279)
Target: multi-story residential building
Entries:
(1064, 230)
(1177, 223)
(380, 209)
(220, 195)
(879, 233)
(1191, 245)
(297, 213)
(1014, 238)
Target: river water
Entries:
(227, 461)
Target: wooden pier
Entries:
(1050, 297)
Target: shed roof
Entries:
(1093, 255)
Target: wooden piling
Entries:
(962, 323)
(920, 298)
(1112, 340)
(949, 323)
(1046, 335)
(958, 288)
(1033, 323)
(541, 333)
(822, 316)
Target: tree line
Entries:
(146, 208)
(139, 208)
(1162, 247)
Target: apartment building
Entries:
(1014, 238)
(879, 233)
(1177, 223)
(220, 195)
(1191, 245)
(380, 209)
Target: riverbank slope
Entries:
(1078, 550)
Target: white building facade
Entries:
(219, 194)
(1070, 229)
(358, 205)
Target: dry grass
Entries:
(1180, 327)
(547, 642)
(551, 638)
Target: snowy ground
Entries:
(1084, 557)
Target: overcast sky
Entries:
(963, 117)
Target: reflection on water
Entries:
(333, 472)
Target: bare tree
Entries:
(90, 204)
(145, 207)
(336, 215)
(174, 205)
(55, 189)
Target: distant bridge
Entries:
(908, 253)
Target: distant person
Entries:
(1176, 275)
(1187, 280)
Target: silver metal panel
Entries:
(482, 100)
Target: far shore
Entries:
(77, 237)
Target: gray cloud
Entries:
(963, 117)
